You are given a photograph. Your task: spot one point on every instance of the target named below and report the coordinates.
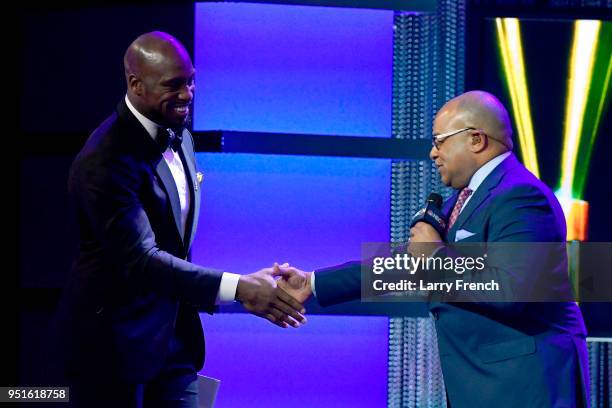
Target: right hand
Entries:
(294, 281)
(260, 295)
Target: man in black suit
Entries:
(129, 315)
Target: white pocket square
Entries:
(463, 234)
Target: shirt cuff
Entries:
(227, 288)
(312, 284)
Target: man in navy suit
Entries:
(493, 354)
(129, 316)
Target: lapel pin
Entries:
(199, 178)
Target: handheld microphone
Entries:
(432, 214)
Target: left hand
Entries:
(424, 240)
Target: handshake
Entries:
(276, 294)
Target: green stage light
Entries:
(587, 91)
(597, 101)
(590, 72)
(586, 33)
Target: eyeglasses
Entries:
(437, 140)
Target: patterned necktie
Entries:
(463, 195)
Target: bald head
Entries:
(159, 76)
(484, 111)
(478, 129)
(151, 51)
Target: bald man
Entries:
(129, 315)
(495, 354)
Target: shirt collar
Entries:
(486, 169)
(151, 127)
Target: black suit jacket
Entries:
(132, 288)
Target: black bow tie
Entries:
(170, 138)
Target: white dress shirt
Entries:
(475, 182)
(229, 281)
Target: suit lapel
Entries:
(164, 174)
(194, 189)
(482, 193)
(152, 149)
(477, 199)
(142, 138)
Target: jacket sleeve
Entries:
(338, 284)
(106, 193)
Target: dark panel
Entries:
(315, 145)
(48, 226)
(72, 62)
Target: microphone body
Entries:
(432, 215)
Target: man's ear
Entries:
(478, 141)
(135, 85)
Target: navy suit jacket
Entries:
(132, 288)
(503, 354)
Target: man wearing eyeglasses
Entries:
(496, 354)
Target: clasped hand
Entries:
(278, 293)
(277, 300)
